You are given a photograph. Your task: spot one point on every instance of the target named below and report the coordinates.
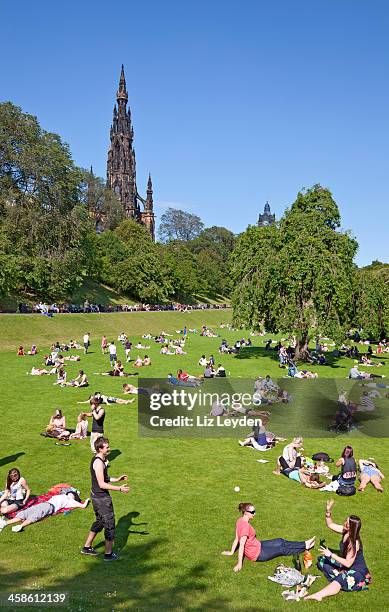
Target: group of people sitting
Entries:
(295, 466)
(33, 351)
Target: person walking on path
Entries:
(102, 502)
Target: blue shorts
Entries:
(370, 471)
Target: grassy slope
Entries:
(96, 293)
(182, 508)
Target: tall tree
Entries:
(179, 225)
(42, 219)
(296, 276)
(372, 300)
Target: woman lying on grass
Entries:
(256, 550)
(16, 492)
(347, 571)
(105, 399)
(37, 512)
(370, 472)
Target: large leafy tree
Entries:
(297, 276)
(179, 225)
(212, 249)
(372, 300)
(42, 220)
(181, 269)
(129, 262)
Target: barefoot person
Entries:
(37, 512)
(102, 502)
(256, 550)
(16, 493)
(347, 571)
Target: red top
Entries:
(252, 546)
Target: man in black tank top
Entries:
(102, 502)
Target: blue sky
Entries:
(233, 103)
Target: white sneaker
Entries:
(240, 443)
(17, 528)
(3, 523)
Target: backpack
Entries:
(346, 490)
(322, 457)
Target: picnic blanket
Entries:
(45, 497)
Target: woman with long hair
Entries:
(57, 426)
(256, 550)
(346, 571)
(348, 467)
(16, 493)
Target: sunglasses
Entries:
(251, 511)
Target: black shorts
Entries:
(15, 502)
(105, 517)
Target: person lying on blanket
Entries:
(37, 512)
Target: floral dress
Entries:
(355, 578)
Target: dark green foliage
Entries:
(46, 235)
(296, 276)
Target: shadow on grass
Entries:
(141, 579)
(258, 352)
(11, 458)
(123, 530)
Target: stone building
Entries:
(121, 165)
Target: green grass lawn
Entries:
(181, 510)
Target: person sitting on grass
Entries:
(81, 431)
(370, 472)
(184, 376)
(290, 457)
(203, 361)
(348, 570)
(21, 352)
(80, 381)
(180, 351)
(146, 361)
(33, 351)
(256, 550)
(357, 374)
(37, 512)
(138, 363)
(348, 467)
(16, 493)
(57, 426)
(61, 377)
(209, 371)
(220, 372)
(165, 350)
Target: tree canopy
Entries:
(296, 276)
(179, 225)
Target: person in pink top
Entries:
(260, 550)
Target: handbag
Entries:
(346, 490)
